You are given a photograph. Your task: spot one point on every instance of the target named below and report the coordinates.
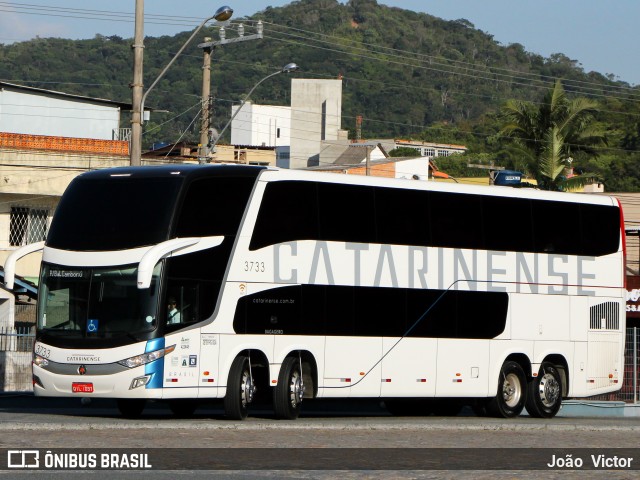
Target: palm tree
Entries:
(551, 132)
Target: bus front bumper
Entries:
(133, 383)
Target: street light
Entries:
(207, 49)
(288, 68)
(222, 16)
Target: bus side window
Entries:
(187, 282)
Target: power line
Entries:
(39, 9)
(443, 61)
(473, 68)
(475, 76)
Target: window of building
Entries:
(240, 156)
(429, 152)
(27, 225)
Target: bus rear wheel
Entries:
(240, 389)
(512, 392)
(289, 392)
(131, 407)
(545, 392)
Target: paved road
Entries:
(356, 428)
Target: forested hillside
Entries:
(408, 74)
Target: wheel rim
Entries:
(246, 388)
(511, 390)
(296, 389)
(549, 390)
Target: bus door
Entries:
(182, 368)
(183, 309)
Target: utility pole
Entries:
(203, 149)
(207, 47)
(135, 144)
(368, 164)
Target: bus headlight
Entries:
(40, 361)
(145, 358)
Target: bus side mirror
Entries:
(175, 246)
(12, 259)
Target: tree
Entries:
(404, 152)
(551, 133)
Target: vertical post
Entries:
(635, 365)
(206, 92)
(368, 167)
(135, 145)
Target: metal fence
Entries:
(24, 315)
(16, 345)
(18, 339)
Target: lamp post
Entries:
(135, 147)
(222, 16)
(207, 47)
(288, 68)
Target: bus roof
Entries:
(193, 171)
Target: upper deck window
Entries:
(115, 213)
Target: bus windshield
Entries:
(101, 303)
(115, 213)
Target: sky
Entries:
(601, 36)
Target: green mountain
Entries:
(408, 74)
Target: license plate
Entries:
(82, 387)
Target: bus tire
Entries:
(544, 396)
(289, 392)
(240, 389)
(512, 392)
(131, 407)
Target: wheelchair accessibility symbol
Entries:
(92, 326)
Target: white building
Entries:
(261, 125)
(300, 132)
(35, 111)
(316, 112)
(46, 139)
(424, 149)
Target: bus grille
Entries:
(605, 316)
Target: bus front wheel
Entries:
(545, 392)
(289, 392)
(512, 392)
(240, 389)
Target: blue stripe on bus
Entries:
(155, 369)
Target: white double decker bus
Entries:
(188, 283)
